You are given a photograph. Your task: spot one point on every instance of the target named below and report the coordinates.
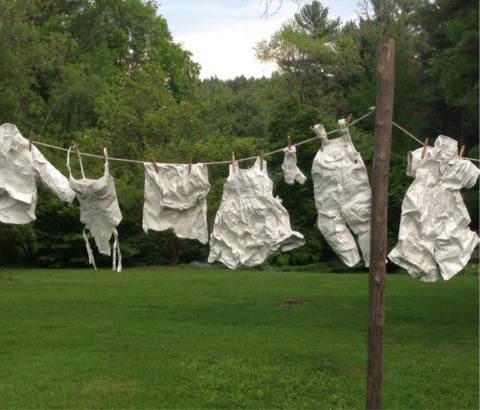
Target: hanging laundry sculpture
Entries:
(175, 198)
(435, 241)
(291, 172)
(250, 224)
(342, 196)
(99, 211)
(21, 163)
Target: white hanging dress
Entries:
(250, 224)
(99, 212)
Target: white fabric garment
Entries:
(342, 196)
(19, 168)
(250, 224)
(291, 172)
(176, 199)
(434, 240)
(99, 212)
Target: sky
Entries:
(222, 34)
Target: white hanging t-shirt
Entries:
(250, 224)
(19, 168)
(175, 198)
(99, 212)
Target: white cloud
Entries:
(228, 51)
(222, 34)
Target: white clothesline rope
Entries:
(135, 161)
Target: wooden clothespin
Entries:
(105, 153)
(262, 158)
(349, 119)
(289, 143)
(30, 141)
(189, 165)
(462, 150)
(233, 159)
(318, 136)
(425, 145)
(77, 151)
(154, 162)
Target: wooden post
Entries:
(378, 243)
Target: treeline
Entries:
(109, 73)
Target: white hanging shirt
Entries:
(176, 199)
(290, 170)
(434, 240)
(251, 224)
(99, 212)
(19, 168)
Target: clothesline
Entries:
(135, 161)
(420, 141)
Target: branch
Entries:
(268, 4)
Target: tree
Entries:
(318, 58)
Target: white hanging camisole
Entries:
(99, 212)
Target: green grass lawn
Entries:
(192, 338)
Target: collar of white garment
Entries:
(10, 138)
(445, 149)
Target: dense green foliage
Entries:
(108, 73)
(186, 338)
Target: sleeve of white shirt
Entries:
(414, 160)
(468, 173)
(51, 177)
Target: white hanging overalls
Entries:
(342, 196)
(99, 212)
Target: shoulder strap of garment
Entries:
(105, 154)
(319, 129)
(344, 130)
(262, 164)
(68, 160)
(79, 161)
(232, 166)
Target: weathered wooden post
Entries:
(381, 167)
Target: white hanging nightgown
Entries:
(434, 240)
(250, 224)
(19, 169)
(99, 212)
(176, 199)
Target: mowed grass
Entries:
(194, 338)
